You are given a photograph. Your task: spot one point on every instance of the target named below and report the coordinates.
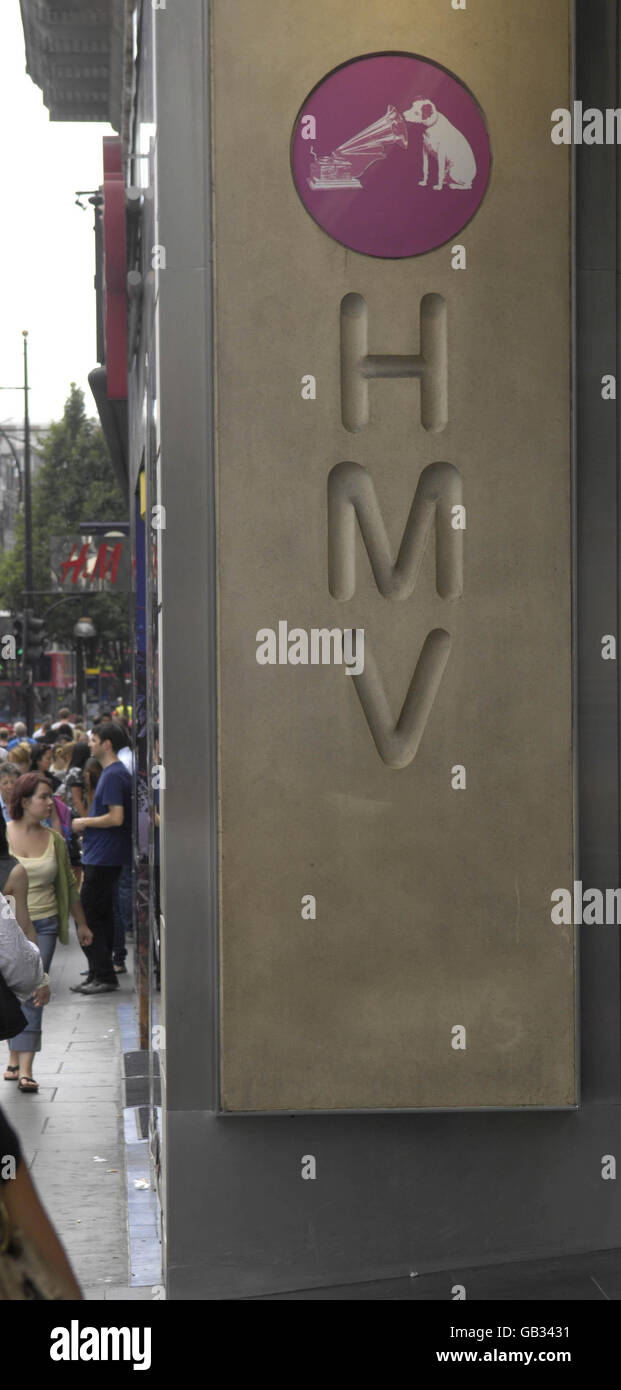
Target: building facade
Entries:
(375, 1050)
(11, 476)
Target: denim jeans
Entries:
(29, 1039)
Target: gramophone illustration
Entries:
(346, 165)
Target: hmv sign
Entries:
(394, 556)
(391, 155)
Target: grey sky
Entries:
(47, 251)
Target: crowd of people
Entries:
(65, 849)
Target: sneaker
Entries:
(120, 969)
(100, 987)
(77, 989)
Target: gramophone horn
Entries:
(389, 129)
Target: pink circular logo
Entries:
(391, 155)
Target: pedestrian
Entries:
(92, 773)
(123, 905)
(64, 718)
(41, 758)
(121, 709)
(41, 1270)
(9, 774)
(20, 732)
(125, 753)
(123, 918)
(43, 733)
(72, 792)
(4, 738)
(52, 894)
(61, 757)
(17, 966)
(72, 789)
(21, 754)
(63, 733)
(106, 847)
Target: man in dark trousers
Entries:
(106, 847)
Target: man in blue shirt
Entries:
(20, 735)
(106, 847)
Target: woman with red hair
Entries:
(52, 894)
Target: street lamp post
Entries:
(84, 629)
(28, 584)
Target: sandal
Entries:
(14, 1070)
(28, 1085)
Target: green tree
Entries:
(75, 483)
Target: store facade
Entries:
(371, 307)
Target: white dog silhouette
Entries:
(449, 147)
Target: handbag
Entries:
(12, 1020)
(24, 1276)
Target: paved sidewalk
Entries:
(71, 1131)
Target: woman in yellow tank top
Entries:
(34, 846)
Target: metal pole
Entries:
(28, 583)
(79, 673)
(84, 706)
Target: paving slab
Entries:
(33, 1101)
(132, 1294)
(65, 1090)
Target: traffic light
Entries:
(18, 633)
(33, 637)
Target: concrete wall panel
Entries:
(433, 905)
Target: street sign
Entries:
(391, 155)
(393, 459)
(93, 564)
